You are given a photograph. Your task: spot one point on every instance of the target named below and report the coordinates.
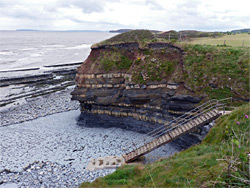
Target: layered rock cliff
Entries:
(124, 80)
(134, 80)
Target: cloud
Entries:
(85, 6)
(115, 14)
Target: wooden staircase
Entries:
(200, 116)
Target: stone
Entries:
(185, 98)
(105, 162)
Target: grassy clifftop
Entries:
(140, 36)
(206, 70)
(220, 160)
(217, 72)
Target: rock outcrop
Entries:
(131, 87)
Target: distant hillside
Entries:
(126, 30)
(27, 30)
(187, 34)
(120, 31)
(241, 31)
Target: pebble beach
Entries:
(42, 144)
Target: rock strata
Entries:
(115, 96)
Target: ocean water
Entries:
(36, 49)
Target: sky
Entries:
(163, 15)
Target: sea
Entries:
(26, 54)
(36, 49)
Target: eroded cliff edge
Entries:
(135, 80)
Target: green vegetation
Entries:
(229, 40)
(218, 72)
(219, 161)
(187, 35)
(140, 36)
(155, 65)
(209, 71)
(114, 60)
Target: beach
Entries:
(43, 145)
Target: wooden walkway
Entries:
(166, 133)
(170, 131)
(172, 134)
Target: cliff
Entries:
(136, 77)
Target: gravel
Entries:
(32, 108)
(51, 149)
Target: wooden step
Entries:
(216, 111)
(139, 151)
(210, 115)
(199, 120)
(185, 127)
(161, 139)
(144, 149)
(213, 113)
(192, 122)
(181, 128)
(189, 126)
(167, 137)
(203, 118)
(176, 131)
(196, 122)
(149, 146)
(206, 116)
(155, 143)
(172, 133)
(164, 138)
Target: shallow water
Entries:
(29, 49)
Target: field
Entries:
(230, 40)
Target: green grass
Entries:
(219, 161)
(230, 40)
(227, 68)
(155, 64)
(140, 36)
(114, 60)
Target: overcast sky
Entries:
(205, 15)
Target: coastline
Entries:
(42, 144)
(32, 108)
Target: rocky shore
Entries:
(43, 145)
(32, 108)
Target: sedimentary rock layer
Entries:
(117, 93)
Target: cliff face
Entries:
(135, 77)
(131, 83)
